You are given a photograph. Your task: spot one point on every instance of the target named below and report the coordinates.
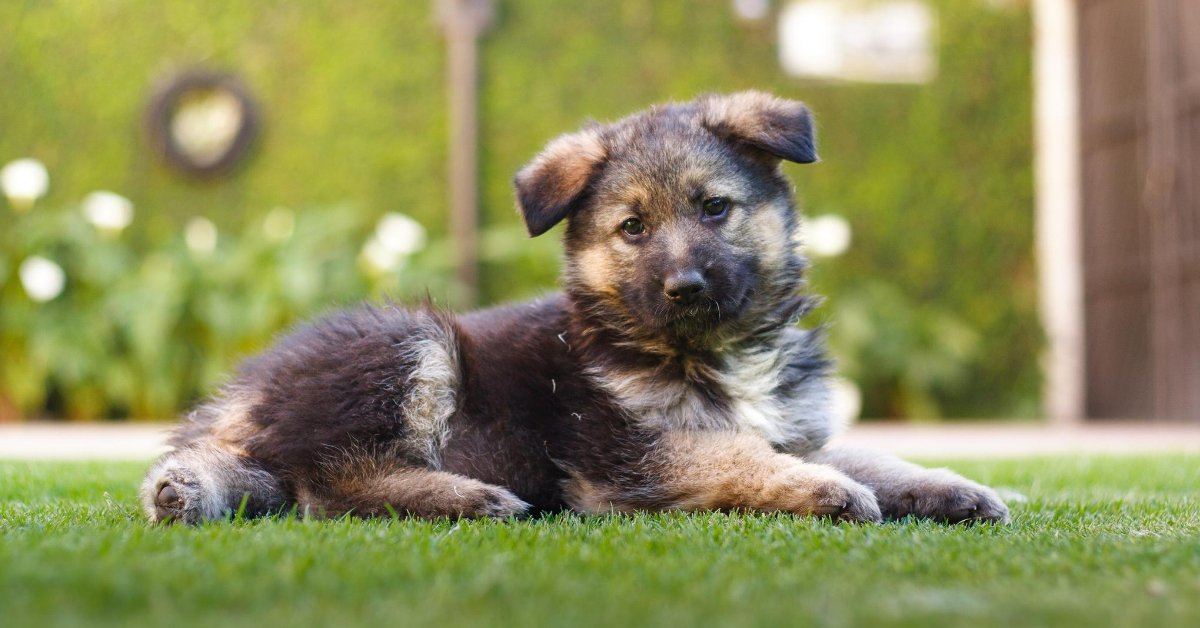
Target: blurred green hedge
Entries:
(932, 310)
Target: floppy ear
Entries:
(552, 185)
(781, 128)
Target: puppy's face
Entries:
(680, 223)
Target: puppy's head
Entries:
(680, 223)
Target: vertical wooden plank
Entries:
(1115, 228)
(1141, 206)
(1161, 200)
(1187, 21)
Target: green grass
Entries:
(1099, 541)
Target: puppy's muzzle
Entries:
(686, 287)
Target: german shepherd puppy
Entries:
(668, 375)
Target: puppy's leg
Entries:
(373, 492)
(202, 481)
(904, 488)
(706, 470)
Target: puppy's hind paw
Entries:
(175, 491)
(176, 498)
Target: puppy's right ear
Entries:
(553, 184)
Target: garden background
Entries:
(931, 310)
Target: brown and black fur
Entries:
(669, 374)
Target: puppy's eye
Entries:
(633, 227)
(715, 207)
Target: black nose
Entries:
(685, 287)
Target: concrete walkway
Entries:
(1000, 440)
(56, 441)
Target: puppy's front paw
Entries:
(824, 492)
(946, 496)
(857, 503)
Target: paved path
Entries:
(999, 440)
(56, 441)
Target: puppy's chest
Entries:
(744, 392)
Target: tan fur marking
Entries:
(594, 266)
(574, 155)
(366, 489)
(567, 161)
(233, 427)
(705, 470)
(770, 235)
(744, 111)
(716, 181)
(735, 470)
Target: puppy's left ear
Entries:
(783, 129)
(556, 181)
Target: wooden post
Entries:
(463, 21)
(1161, 194)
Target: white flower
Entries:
(43, 279)
(827, 236)
(24, 181)
(200, 234)
(379, 258)
(279, 224)
(400, 234)
(396, 237)
(108, 211)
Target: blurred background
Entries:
(182, 181)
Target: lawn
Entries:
(1111, 541)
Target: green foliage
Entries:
(935, 179)
(1100, 541)
(142, 329)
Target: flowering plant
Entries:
(95, 322)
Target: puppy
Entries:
(668, 375)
